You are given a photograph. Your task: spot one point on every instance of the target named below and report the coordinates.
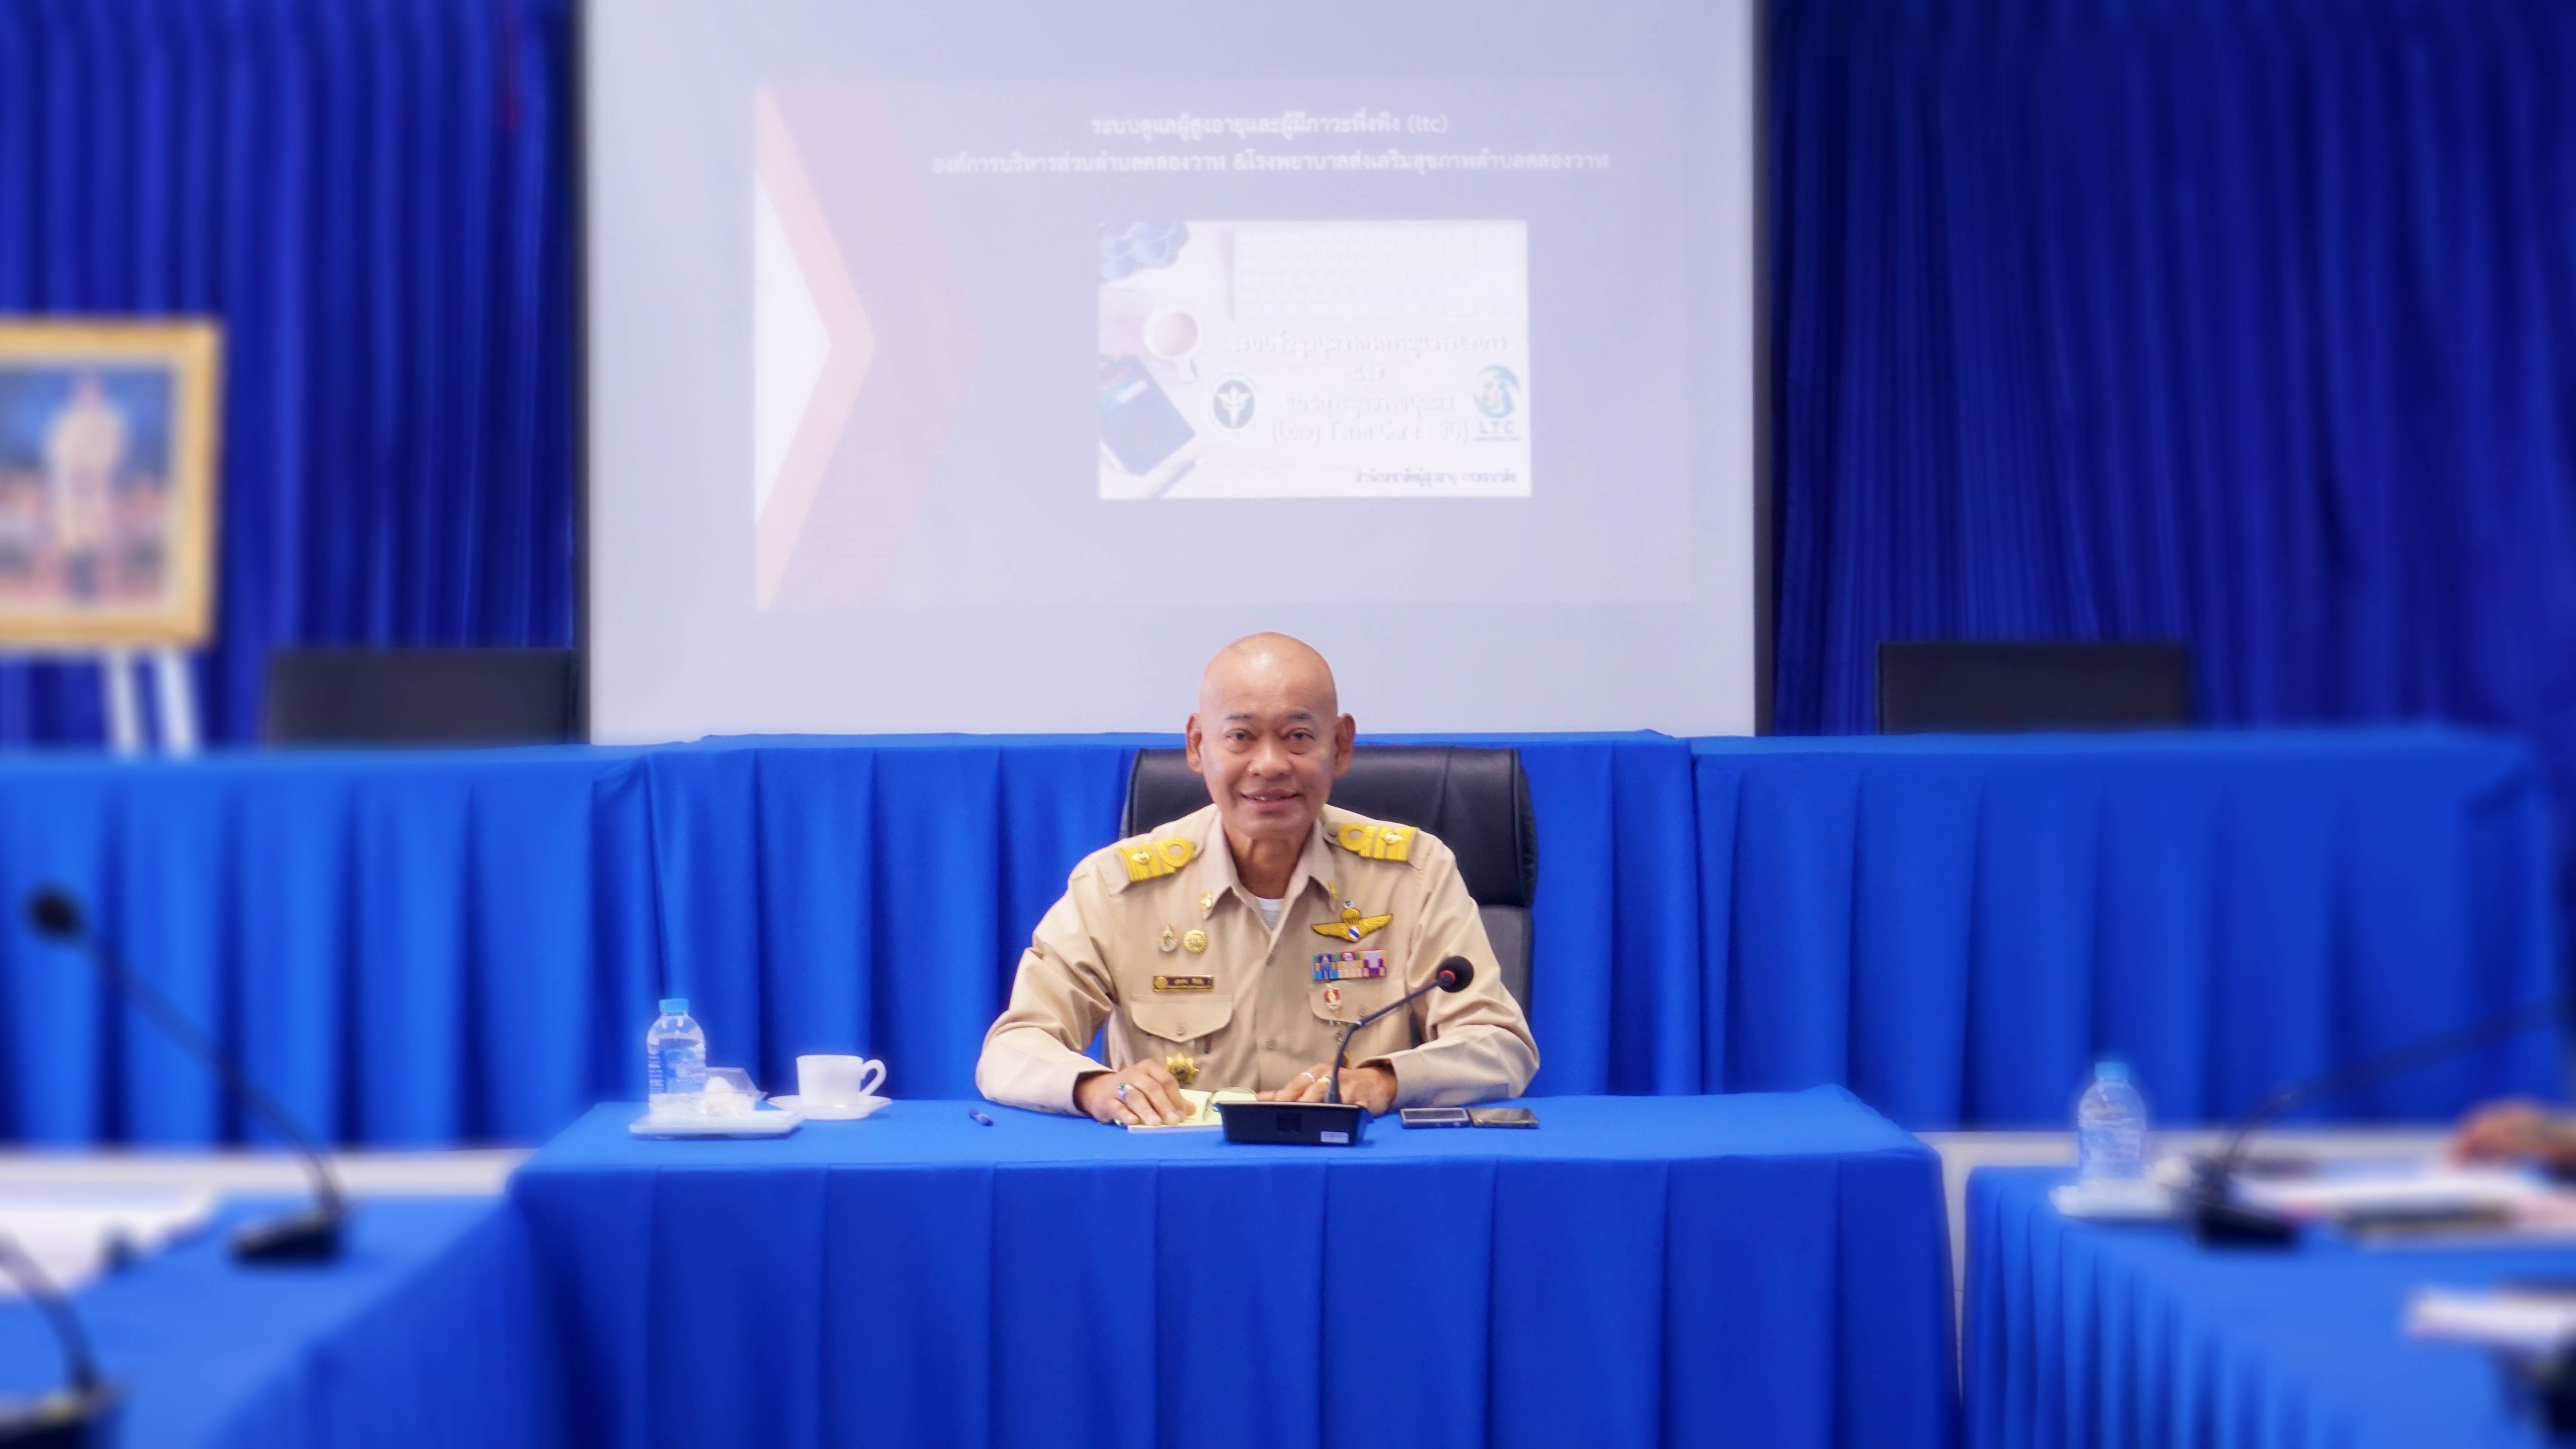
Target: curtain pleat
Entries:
(373, 197)
(2248, 324)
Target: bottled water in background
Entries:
(2110, 1128)
(675, 1062)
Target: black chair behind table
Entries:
(1474, 798)
(1950, 686)
(423, 697)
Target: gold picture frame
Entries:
(108, 446)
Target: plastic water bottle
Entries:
(675, 1062)
(2110, 1128)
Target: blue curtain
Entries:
(2248, 323)
(373, 196)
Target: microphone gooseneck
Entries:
(1454, 975)
(81, 1413)
(2216, 1214)
(57, 916)
(39, 1289)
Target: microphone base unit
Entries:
(2234, 1225)
(2220, 1220)
(2542, 1390)
(311, 1236)
(71, 1419)
(1295, 1124)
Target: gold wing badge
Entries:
(1352, 926)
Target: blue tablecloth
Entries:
(429, 1332)
(427, 948)
(438, 948)
(1956, 927)
(2131, 1337)
(1763, 1271)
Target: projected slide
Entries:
(1373, 359)
(990, 324)
(964, 366)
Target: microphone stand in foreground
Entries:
(1453, 975)
(1331, 1122)
(2220, 1218)
(309, 1236)
(80, 1415)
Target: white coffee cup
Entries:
(1173, 336)
(838, 1081)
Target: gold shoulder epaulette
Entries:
(1157, 857)
(1375, 842)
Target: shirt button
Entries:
(1271, 1045)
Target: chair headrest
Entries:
(1474, 797)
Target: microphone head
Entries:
(1455, 973)
(53, 912)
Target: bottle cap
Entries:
(2109, 1069)
(675, 1006)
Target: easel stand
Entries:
(175, 695)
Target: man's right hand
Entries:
(1142, 1093)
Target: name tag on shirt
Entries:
(1185, 983)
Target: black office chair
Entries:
(423, 697)
(1474, 798)
(1951, 686)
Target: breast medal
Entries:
(1350, 966)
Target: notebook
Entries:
(1203, 1115)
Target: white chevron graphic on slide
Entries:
(789, 345)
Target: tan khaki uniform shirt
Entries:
(1157, 938)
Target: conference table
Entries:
(440, 948)
(1764, 1270)
(429, 1332)
(2130, 1336)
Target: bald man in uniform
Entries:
(1235, 944)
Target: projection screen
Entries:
(986, 366)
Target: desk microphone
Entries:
(310, 1236)
(2219, 1219)
(1331, 1122)
(79, 1416)
(1453, 975)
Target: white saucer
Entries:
(761, 1123)
(850, 1111)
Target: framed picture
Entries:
(107, 483)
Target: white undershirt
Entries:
(1270, 909)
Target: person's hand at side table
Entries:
(1142, 1093)
(1371, 1086)
(2517, 1129)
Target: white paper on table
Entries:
(70, 1231)
(2416, 1189)
(2114, 1200)
(2535, 1323)
(1203, 1114)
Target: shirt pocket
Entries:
(1181, 1020)
(1344, 1002)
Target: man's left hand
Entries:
(1371, 1086)
(2516, 1129)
